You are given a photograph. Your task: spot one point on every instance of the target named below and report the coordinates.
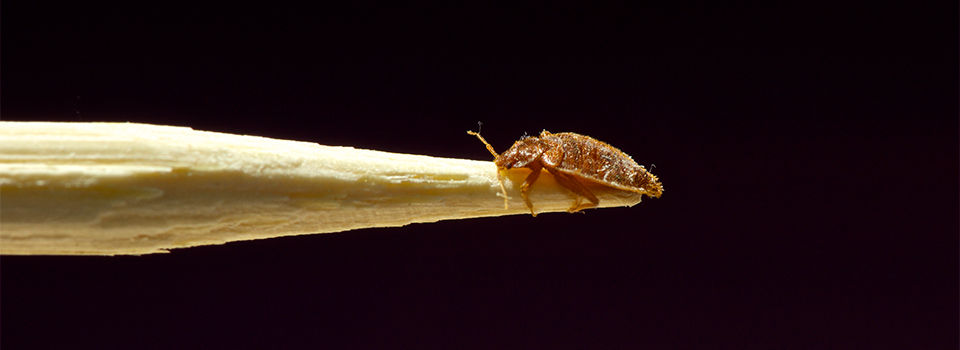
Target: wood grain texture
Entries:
(123, 188)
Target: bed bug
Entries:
(574, 160)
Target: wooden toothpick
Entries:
(123, 188)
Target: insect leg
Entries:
(577, 187)
(506, 199)
(525, 188)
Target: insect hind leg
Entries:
(578, 189)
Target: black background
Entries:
(808, 151)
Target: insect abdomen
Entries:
(589, 158)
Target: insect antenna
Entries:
(503, 189)
(489, 147)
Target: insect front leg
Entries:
(525, 188)
(503, 189)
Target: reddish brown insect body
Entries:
(574, 160)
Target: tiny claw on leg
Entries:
(579, 205)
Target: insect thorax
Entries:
(522, 153)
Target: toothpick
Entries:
(124, 188)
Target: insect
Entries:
(574, 160)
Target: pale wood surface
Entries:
(123, 188)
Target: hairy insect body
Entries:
(574, 159)
(594, 160)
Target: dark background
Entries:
(808, 151)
